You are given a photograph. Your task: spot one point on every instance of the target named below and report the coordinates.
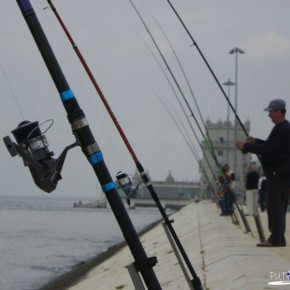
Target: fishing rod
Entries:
(190, 89)
(191, 147)
(207, 138)
(183, 73)
(182, 109)
(234, 218)
(186, 138)
(257, 218)
(210, 69)
(90, 148)
(196, 281)
(208, 145)
(183, 132)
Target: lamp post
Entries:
(228, 83)
(236, 51)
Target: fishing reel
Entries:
(125, 183)
(32, 146)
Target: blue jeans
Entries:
(226, 203)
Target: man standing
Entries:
(252, 180)
(262, 185)
(274, 154)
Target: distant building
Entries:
(168, 189)
(222, 135)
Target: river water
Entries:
(44, 237)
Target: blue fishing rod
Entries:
(89, 146)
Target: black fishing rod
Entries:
(186, 138)
(210, 69)
(196, 281)
(208, 145)
(90, 148)
(182, 109)
(206, 138)
(183, 73)
(257, 218)
(185, 77)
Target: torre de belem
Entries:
(223, 136)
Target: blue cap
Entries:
(277, 104)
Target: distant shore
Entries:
(80, 271)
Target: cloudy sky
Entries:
(115, 45)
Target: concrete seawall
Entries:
(223, 256)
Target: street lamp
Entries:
(236, 51)
(228, 83)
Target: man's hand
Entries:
(251, 140)
(240, 144)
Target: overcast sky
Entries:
(115, 45)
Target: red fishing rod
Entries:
(86, 67)
(196, 283)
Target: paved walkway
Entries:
(223, 256)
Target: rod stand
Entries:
(178, 257)
(135, 268)
(243, 217)
(259, 228)
(135, 277)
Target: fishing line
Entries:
(206, 138)
(182, 108)
(36, 128)
(185, 136)
(185, 77)
(182, 70)
(11, 91)
(210, 69)
(183, 131)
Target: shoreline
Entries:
(79, 271)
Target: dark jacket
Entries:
(274, 152)
(252, 180)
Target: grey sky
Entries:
(111, 38)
